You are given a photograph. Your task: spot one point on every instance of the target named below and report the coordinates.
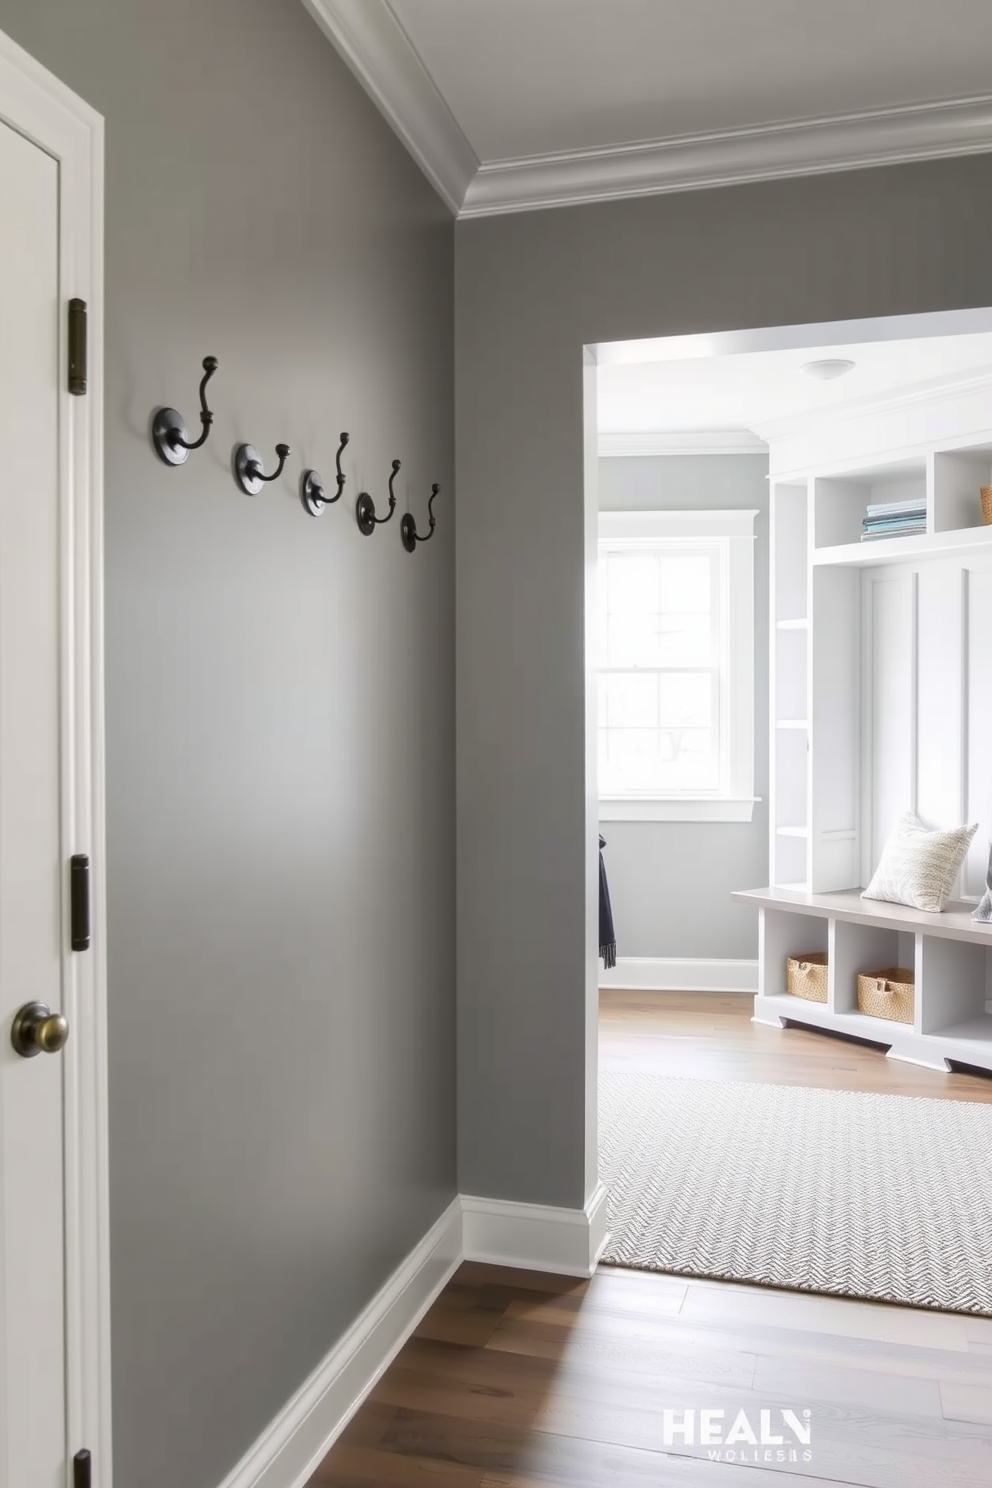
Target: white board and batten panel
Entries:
(978, 736)
(940, 721)
(889, 773)
(928, 702)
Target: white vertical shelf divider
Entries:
(789, 673)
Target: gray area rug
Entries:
(879, 1196)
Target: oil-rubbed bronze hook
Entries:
(312, 492)
(365, 507)
(169, 427)
(248, 467)
(408, 527)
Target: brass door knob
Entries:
(37, 1030)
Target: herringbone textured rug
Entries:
(879, 1196)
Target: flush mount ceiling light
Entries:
(827, 370)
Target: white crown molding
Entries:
(678, 442)
(379, 53)
(805, 147)
(923, 394)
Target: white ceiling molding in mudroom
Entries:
(502, 118)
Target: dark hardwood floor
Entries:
(516, 1379)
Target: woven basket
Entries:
(987, 503)
(806, 976)
(888, 993)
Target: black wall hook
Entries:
(248, 467)
(365, 507)
(408, 527)
(312, 492)
(169, 427)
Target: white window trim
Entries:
(735, 530)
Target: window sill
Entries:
(678, 808)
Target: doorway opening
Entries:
(794, 589)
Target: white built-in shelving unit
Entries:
(881, 700)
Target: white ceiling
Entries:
(535, 77)
(753, 390)
(515, 104)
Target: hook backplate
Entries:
(408, 532)
(246, 458)
(313, 494)
(365, 514)
(166, 424)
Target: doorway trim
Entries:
(40, 107)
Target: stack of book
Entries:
(894, 519)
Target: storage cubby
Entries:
(958, 476)
(840, 502)
(784, 936)
(789, 529)
(789, 859)
(791, 697)
(791, 778)
(856, 949)
(956, 974)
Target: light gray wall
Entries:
(280, 713)
(670, 882)
(531, 289)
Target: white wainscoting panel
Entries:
(940, 693)
(928, 677)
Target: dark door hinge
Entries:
(77, 347)
(79, 901)
(81, 1467)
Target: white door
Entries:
(32, 929)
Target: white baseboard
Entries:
(292, 1446)
(536, 1237)
(566, 1241)
(665, 974)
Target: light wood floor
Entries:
(516, 1379)
(710, 1035)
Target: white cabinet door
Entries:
(32, 1265)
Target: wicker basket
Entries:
(888, 993)
(806, 976)
(987, 503)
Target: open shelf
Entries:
(958, 476)
(841, 502)
(906, 549)
(788, 548)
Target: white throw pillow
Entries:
(919, 864)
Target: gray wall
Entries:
(531, 289)
(670, 882)
(280, 713)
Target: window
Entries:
(676, 665)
